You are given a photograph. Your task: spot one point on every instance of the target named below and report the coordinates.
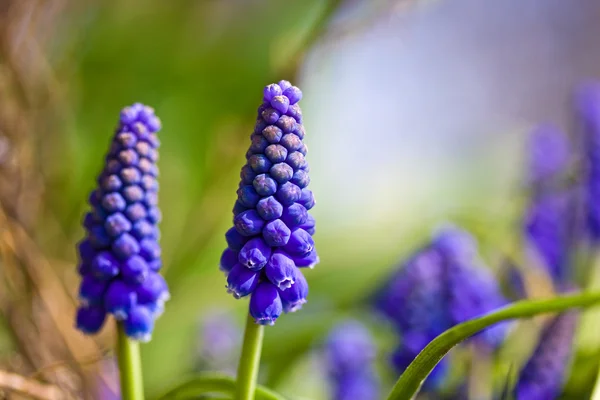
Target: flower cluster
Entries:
(272, 233)
(548, 219)
(120, 256)
(438, 287)
(349, 355)
(544, 374)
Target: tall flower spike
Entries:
(588, 113)
(272, 231)
(349, 356)
(119, 258)
(544, 374)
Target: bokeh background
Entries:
(417, 113)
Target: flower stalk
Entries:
(130, 366)
(249, 360)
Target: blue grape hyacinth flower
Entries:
(549, 155)
(544, 374)
(349, 355)
(271, 238)
(120, 257)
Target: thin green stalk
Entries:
(130, 366)
(410, 381)
(249, 360)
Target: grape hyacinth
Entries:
(549, 156)
(588, 112)
(349, 356)
(438, 287)
(545, 372)
(271, 237)
(119, 258)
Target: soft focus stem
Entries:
(249, 360)
(130, 366)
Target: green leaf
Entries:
(410, 381)
(212, 383)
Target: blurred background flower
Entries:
(417, 112)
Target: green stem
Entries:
(410, 381)
(249, 360)
(130, 366)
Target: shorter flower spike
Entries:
(272, 231)
(545, 372)
(119, 258)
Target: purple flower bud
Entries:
(265, 304)
(98, 237)
(300, 243)
(301, 178)
(89, 320)
(117, 224)
(86, 251)
(104, 266)
(296, 160)
(91, 291)
(294, 215)
(269, 208)
(270, 115)
(309, 224)
(140, 324)
(247, 196)
(276, 233)
(281, 172)
(113, 202)
(293, 94)
(286, 124)
(133, 194)
(295, 296)
(242, 281)
(281, 104)
(259, 163)
(119, 299)
(150, 250)
(307, 199)
(276, 153)
(228, 260)
(272, 133)
(235, 240)
(153, 289)
(125, 246)
(291, 142)
(143, 230)
(349, 348)
(288, 193)
(111, 183)
(307, 261)
(281, 271)
(264, 185)
(238, 208)
(259, 144)
(271, 91)
(248, 223)
(295, 112)
(284, 85)
(134, 270)
(135, 212)
(255, 254)
(247, 175)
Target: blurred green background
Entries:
(66, 69)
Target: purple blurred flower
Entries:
(545, 372)
(549, 155)
(120, 255)
(272, 233)
(349, 355)
(588, 113)
(219, 343)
